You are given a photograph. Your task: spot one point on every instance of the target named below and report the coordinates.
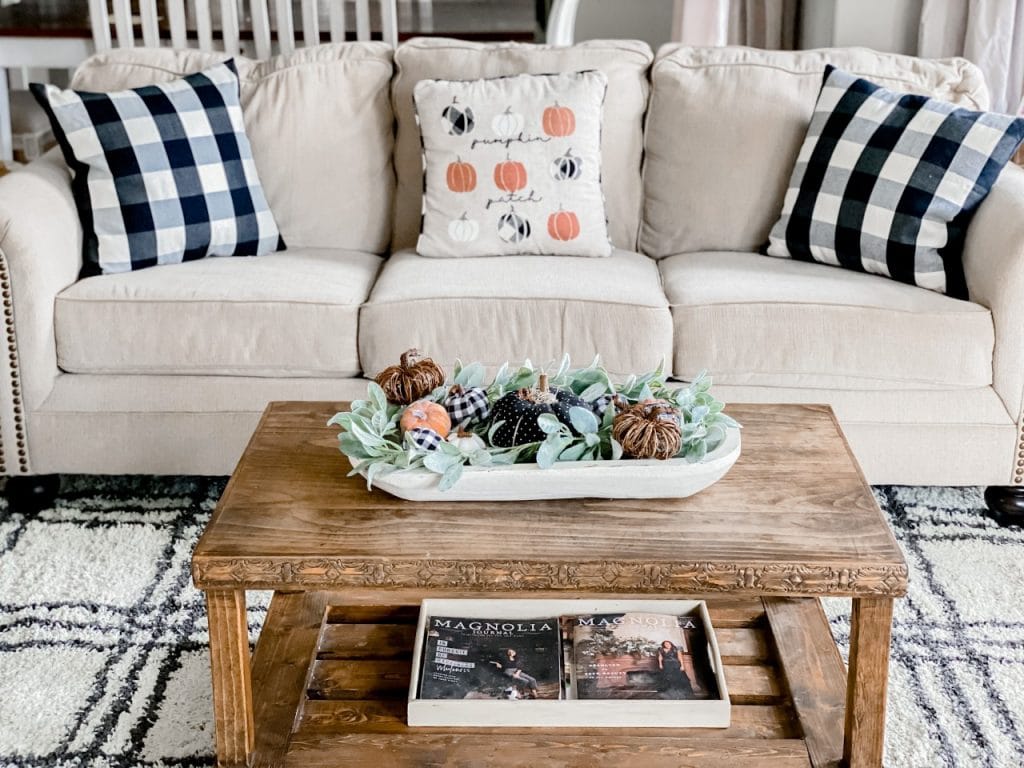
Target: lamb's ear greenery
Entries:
(372, 439)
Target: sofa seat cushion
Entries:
(751, 319)
(497, 308)
(284, 314)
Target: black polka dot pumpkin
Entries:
(467, 406)
(519, 411)
(457, 119)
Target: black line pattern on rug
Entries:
(938, 590)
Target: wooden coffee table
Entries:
(793, 521)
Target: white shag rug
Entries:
(103, 638)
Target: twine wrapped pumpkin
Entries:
(410, 380)
(648, 430)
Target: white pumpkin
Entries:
(467, 442)
(464, 229)
(508, 124)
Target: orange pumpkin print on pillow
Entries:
(564, 225)
(461, 176)
(559, 121)
(510, 176)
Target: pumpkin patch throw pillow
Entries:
(513, 166)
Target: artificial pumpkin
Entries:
(510, 176)
(513, 228)
(648, 430)
(563, 225)
(461, 177)
(507, 124)
(425, 438)
(464, 229)
(411, 379)
(426, 414)
(567, 167)
(467, 405)
(559, 121)
(518, 412)
(456, 119)
(600, 405)
(467, 442)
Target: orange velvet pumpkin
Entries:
(563, 225)
(461, 176)
(510, 176)
(427, 415)
(559, 121)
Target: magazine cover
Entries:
(641, 656)
(468, 658)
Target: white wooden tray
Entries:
(626, 479)
(563, 713)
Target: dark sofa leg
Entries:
(31, 493)
(1005, 504)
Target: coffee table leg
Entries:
(870, 633)
(232, 679)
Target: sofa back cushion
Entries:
(725, 126)
(624, 62)
(321, 128)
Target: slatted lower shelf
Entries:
(331, 681)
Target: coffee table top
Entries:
(794, 516)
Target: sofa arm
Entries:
(40, 255)
(994, 263)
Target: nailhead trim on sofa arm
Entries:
(6, 466)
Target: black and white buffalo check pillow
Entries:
(887, 182)
(163, 173)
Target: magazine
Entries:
(630, 655)
(470, 658)
(639, 655)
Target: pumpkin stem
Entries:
(540, 392)
(463, 433)
(408, 358)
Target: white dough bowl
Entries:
(625, 479)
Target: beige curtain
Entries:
(757, 23)
(988, 32)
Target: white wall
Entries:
(885, 25)
(649, 20)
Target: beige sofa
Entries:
(166, 370)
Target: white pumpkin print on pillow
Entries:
(513, 166)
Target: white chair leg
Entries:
(562, 22)
(6, 140)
